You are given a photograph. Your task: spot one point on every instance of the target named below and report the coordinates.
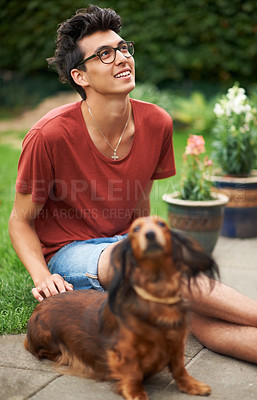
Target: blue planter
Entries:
(201, 220)
(240, 216)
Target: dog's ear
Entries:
(191, 258)
(122, 260)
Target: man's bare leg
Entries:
(105, 272)
(224, 320)
(239, 341)
(222, 302)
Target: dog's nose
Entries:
(150, 235)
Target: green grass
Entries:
(16, 300)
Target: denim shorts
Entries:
(77, 262)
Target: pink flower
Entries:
(195, 145)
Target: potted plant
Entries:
(196, 210)
(235, 152)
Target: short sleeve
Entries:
(166, 164)
(35, 170)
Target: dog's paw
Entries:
(141, 396)
(194, 387)
(135, 396)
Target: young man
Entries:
(86, 171)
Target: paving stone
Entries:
(229, 379)
(193, 347)
(244, 280)
(236, 253)
(18, 384)
(69, 387)
(13, 354)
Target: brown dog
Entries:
(139, 327)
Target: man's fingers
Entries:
(61, 284)
(51, 286)
(68, 286)
(37, 294)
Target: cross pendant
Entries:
(115, 157)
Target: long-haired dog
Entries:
(136, 329)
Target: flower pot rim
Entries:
(219, 200)
(252, 178)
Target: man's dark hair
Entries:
(68, 53)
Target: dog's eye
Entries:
(136, 229)
(160, 223)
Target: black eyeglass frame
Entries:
(97, 54)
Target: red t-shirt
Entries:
(85, 194)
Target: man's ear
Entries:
(79, 77)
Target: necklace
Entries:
(115, 156)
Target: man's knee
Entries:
(105, 272)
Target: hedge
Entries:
(174, 40)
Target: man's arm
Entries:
(28, 248)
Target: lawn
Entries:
(16, 300)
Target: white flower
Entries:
(235, 103)
(228, 108)
(237, 108)
(218, 110)
(247, 108)
(236, 92)
(248, 117)
(231, 93)
(241, 92)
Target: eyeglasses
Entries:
(108, 54)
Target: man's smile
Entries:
(123, 74)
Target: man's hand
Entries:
(52, 285)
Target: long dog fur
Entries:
(136, 329)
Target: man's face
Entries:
(115, 78)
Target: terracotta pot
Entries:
(240, 217)
(202, 220)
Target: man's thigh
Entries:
(82, 262)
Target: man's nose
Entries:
(120, 57)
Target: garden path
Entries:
(23, 122)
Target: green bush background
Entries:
(175, 40)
